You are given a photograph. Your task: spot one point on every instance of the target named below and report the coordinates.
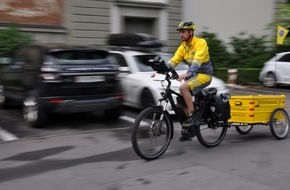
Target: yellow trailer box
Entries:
(253, 109)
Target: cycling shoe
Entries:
(186, 135)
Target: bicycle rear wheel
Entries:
(211, 134)
(151, 133)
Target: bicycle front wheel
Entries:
(211, 134)
(151, 133)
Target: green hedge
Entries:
(245, 75)
(248, 54)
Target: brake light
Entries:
(119, 96)
(56, 101)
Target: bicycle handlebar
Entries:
(160, 66)
(174, 74)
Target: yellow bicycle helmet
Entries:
(186, 26)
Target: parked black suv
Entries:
(61, 78)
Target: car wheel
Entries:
(3, 99)
(33, 114)
(147, 99)
(113, 114)
(269, 80)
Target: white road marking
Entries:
(177, 126)
(127, 118)
(6, 136)
(132, 120)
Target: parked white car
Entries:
(276, 70)
(140, 89)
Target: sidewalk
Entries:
(256, 89)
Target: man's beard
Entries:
(185, 39)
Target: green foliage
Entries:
(217, 50)
(248, 75)
(248, 54)
(249, 51)
(10, 38)
(221, 73)
(282, 18)
(245, 75)
(282, 48)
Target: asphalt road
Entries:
(12, 126)
(85, 152)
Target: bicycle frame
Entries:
(200, 103)
(167, 95)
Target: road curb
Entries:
(258, 89)
(235, 86)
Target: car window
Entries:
(142, 62)
(144, 66)
(180, 66)
(285, 58)
(21, 57)
(32, 58)
(5, 60)
(71, 57)
(119, 59)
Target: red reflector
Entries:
(56, 101)
(252, 103)
(252, 109)
(119, 96)
(252, 115)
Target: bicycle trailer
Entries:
(254, 109)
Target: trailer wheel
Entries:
(279, 123)
(245, 129)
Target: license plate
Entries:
(90, 79)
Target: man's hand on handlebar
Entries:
(153, 74)
(182, 77)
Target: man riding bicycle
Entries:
(194, 52)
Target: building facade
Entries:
(228, 18)
(89, 22)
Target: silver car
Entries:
(276, 70)
(140, 89)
